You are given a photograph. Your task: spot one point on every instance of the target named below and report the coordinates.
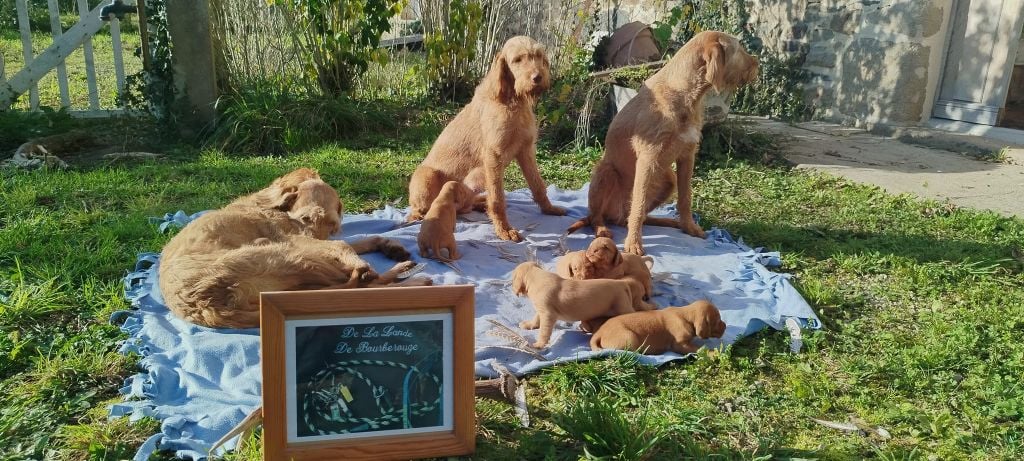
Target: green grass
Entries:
(922, 305)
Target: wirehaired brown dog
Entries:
(213, 271)
(659, 127)
(555, 298)
(495, 128)
(656, 332)
(437, 231)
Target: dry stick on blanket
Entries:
(518, 342)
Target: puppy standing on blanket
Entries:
(555, 298)
(438, 229)
(659, 127)
(495, 128)
(656, 332)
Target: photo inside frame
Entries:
(356, 377)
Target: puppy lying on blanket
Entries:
(438, 229)
(602, 260)
(555, 298)
(656, 332)
(212, 272)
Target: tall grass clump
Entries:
(274, 119)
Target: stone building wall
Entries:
(871, 61)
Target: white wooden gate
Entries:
(65, 42)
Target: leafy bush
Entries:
(450, 41)
(573, 106)
(340, 37)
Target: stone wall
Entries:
(871, 61)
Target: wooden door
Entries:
(982, 48)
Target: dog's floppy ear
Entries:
(285, 201)
(499, 81)
(714, 64)
(618, 256)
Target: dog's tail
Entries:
(578, 225)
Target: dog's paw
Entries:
(603, 231)
(634, 247)
(394, 250)
(508, 234)
(362, 275)
(553, 210)
(539, 345)
(527, 325)
(691, 228)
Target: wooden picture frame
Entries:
(373, 332)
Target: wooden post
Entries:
(144, 35)
(188, 23)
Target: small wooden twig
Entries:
(502, 388)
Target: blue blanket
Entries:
(200, 382)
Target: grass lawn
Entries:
(922, 304)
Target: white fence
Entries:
(55, 58)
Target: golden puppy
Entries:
(212, 272)
(438, 228)
(280, 193)
(602, 260)
(495, 128)
(656, 332)
(659, 127)
(555, 298)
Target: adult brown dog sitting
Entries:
(212, 272)
(496, 127)
(656, 332)
(659, 127)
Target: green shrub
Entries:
(340, 38)
(451, 49)
(273, 118)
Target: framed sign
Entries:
(374, 373)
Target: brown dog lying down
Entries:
(555, 298)
(602, 260)
(212, 272)
(656, 332)
(495, 128)
(660, 127)
(438, 229)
